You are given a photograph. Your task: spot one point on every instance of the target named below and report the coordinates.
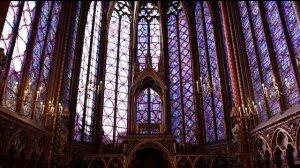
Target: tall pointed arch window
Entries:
(86, 96)
(17, 37)
(181, 79)
(269, 53)
(209, 75)
(115, 105)
(148, 36)
(149, 107)
(71, 53)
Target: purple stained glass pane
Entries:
(88, 74)
(215, 77)
(181, 83)
(149, 107)
(282, 54)
(114, 122)
(204, 78)
(264, 56)
(17, 50)
(293, 26)
(37, 55)
(148, 35)
(253, 63)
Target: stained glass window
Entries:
(258, 53)
(16, 37)
(293, 27)
(181, 81)
(282, 54)
(149, 107)
(253, 62)
(84, 119)
(69, 61)
(115, 106)
(209, 75)
(42, 57)
(148, 36)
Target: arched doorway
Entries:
(149, 158)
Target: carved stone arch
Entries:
(297, 140)
(115, 162)
(148, 78)
(40, 149)
(184, 162)
(261, 146)
(201, 162)
(110, 9)
(150, 144)
(97, 163)
(19, 141)
(281, 139)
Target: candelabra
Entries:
(274, 92)
(53, 108)
(206, 88)
(248, 109)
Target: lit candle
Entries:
(100, 85)
(214, 85)
(287, 83)
(197, 84)
(255, 108)
(43, 108)
(240, 111)
(16, 86)
(38, 95)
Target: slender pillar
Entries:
(229, 48)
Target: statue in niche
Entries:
(63, 130)
(236, 132)
(3, 61)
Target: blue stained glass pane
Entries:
(253, 63)
(69, 62)
(282, 54)
(148, 35)
(264, 56)
(181, 83)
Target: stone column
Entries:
(229, 47)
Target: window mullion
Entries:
(88, 74)
(209, 78)
(149, 106)
(180, 80)
(116, 82)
